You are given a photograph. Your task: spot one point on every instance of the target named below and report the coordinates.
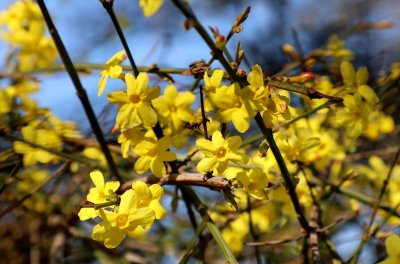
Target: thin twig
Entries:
(253, 231)
(81, 92)
(378, 152)
(192, 179)
(108, 6)
(266, 132)
(382, 192)
(34, 190)
(297, 88)
(203, 113)
(304, 115)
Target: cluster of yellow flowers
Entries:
(136, 208)
(311, 144)
(24, 28)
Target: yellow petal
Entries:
(86, 214)
(128, 202)
(206, 147)
(158, 167)
(348, 74)
(117, 97)
(150, 7)
(147, 115)
(112, 185)
(170, 93)
(97, 179)
(207, 164)
(157, 191)
(142, 164)
(369, 94)
(217, 139)
(143, 192)
(159, 211)
(102, 85)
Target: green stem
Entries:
(80, 91)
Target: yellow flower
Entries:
(254, 182)
(113, 69)
(211, 86)
(129, 138)
(42, 136)
(150, 7)
(356, 82)
(336, 48)
(218, 152)
(378, 123)
(152, 154)
(234, 105)
(101, 193)
(95, 154)
(135, 104)
(115, 225)
(174, 108)
(25, 29)
(354, 116)
(235, 233)
(150, 197)
(392, 248)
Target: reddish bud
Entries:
(240, 72)
(383, 25)
(237, 29)
(306, 76)
(115, 129)
(188, 24)
(220, 41)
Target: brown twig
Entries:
(297, 88)
(378, 152)
(193, 179)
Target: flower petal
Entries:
(147, 115)
(207, 164)
(98, 179)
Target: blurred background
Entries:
(89, 37)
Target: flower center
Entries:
(238, 104)
(172, 108)
(122, 219)
(135, 98)
(142, 203)
(152, 152)
(221, 152)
